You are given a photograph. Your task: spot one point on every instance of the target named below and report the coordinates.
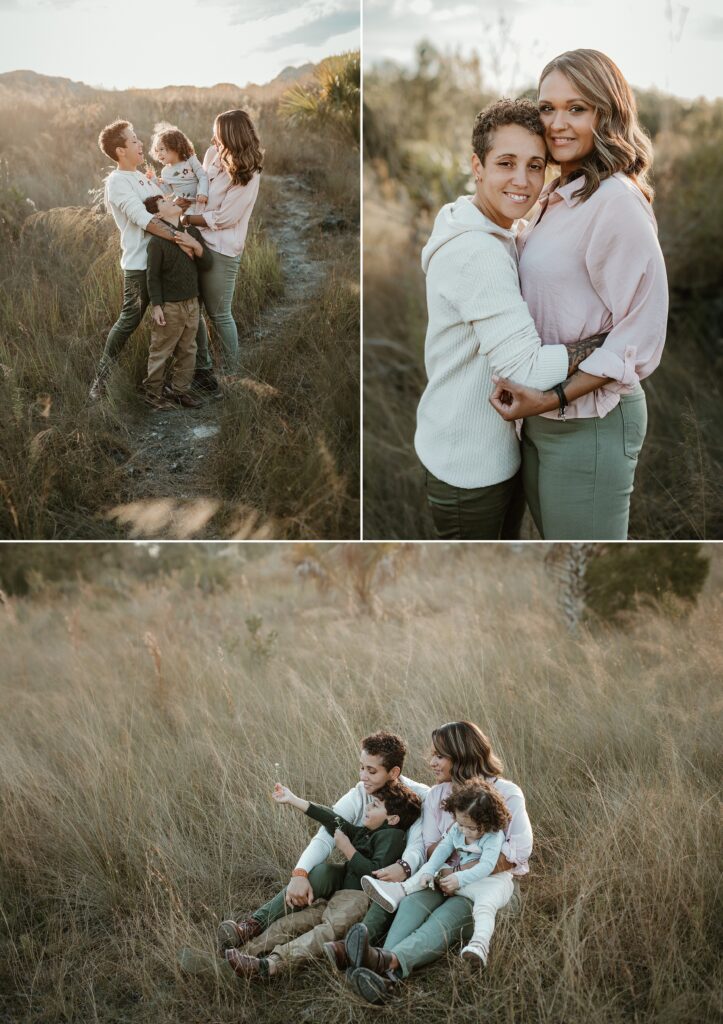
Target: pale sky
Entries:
(675, 47)
(139, 44)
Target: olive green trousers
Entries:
(578, 474)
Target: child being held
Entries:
(376, 844)
(481, 818)
(182, 174)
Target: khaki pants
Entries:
(301, 936)
(177, 340)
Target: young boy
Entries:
(126, 188)
(367, 847)
(381, 761)
(172, 278)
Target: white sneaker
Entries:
(474, 953)
(387, 894)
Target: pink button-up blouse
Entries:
(596, 266)
(229, 207)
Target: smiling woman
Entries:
(478, 326)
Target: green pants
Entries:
(426, 925)
(378, 921)
(476, 513)
(135, 303)
(325, 880)
(217, 288)
(578, 474)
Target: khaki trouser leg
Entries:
(185, 354)
(287, 928)
(164, 342)
(344, 909)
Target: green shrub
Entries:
(623, 576)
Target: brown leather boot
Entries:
(335, 953)
(361, 954)
(237, 933)
(246, 966)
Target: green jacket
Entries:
(374, 849)
(172, 274)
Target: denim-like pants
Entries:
(426, 925)
(476, 513)
(578, 474)
(217, 288)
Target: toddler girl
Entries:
(476, 837)
(183, 174)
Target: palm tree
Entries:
(331, 102)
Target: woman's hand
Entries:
(299, 892)
(282, 794)
(188, 243)
(201, 200)
(450, 883)
(394, 873)
(184, 204)
(515, 401)
(344, 844)
(158, 317)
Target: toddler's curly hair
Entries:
(168, 135)
(481, 802)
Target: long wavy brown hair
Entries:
(238, 145)
(469, 750)
(620, 142)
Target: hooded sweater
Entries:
(478, 325)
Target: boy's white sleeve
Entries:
(487, 862)
(348, 807)
(200, 175)
(121, 194)
(442, 851)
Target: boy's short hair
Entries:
(391, 748)
(500, 113)
(151, 203)
(112, 137)
(481, 802)
(400, 799)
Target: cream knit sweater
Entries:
(479, 324)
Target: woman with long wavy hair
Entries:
(590, 263)
(428, 922)
(233, 164)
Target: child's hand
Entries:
(344, 844)
(449, 884)
(201, 200)
(425, 879)
(158, 317)
(281, 794)
(150, 173)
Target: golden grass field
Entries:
(140, 722)
(284, 459)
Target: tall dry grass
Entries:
(137, 750)
(62, 459)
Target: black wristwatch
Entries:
(560, 392)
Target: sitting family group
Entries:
(182, 236)
(424, 869)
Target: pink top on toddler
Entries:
(596, 266)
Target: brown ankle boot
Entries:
(335, 953)
(237, 933)
(361, 954)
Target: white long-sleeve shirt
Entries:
(517, 847)
(351, 807)
(478, 325)
(124, 194)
